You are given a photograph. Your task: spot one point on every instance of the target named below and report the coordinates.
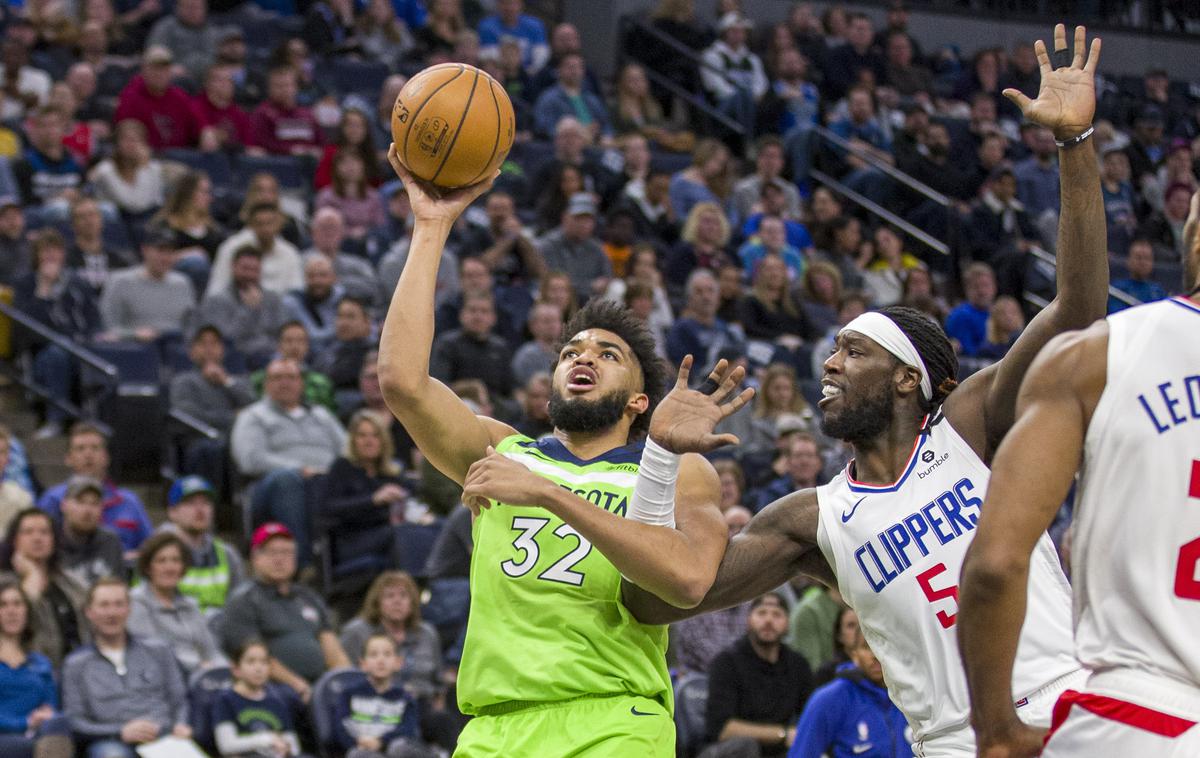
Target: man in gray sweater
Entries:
(209, 393)
(190, 37)
(119, 691)
(150, 301)
(572, 248)
(249, 314)
(285, 442)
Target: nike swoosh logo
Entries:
(636, 712)
(847, 516)
(860, 749)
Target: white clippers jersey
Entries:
(897, 551)
(1135, 556)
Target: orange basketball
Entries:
(453, 125)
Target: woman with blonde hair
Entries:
(362, 492)
(634, 109)
(703, 243)
(820, 293)
(392, 608)
(708, 179)
(769, 313)
(555, 288)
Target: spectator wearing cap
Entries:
(572, 249)
(1165, 228)
(1000, 232)
(58, 298)
(31, 85)
(211, 394)
(845, 62)
(1138, 282)
(282, 270)
(757, 687)
(46, 172)
(570, 97)
(16, 257)
(214, 567)
(768, 169)
(285, 443)
(249, 314)
(698, 332)
(189, 35)
(1146, 149)
(510, 22)
(290, 618)
(282, 126)
(223, 124)
(151, 301)
(160, 610)
(89, 550)
(87, 455)
(802, 463)
(163, 108)
(90, 256)
(122, 690)
(354, 273)
(733, 75)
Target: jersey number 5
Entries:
(1187, 586)
(561, 570)
(946, 619)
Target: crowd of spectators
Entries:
(203, 193)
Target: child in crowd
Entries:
(377, 718)
(249, 721)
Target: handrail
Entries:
(915, 232)
(904, 178)
(66, 406)
(80, 353)
(1037, 251)
(636, 21)
(193, 423)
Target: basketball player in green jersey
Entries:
(554, 664)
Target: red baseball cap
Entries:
(268, 532)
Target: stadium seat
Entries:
(347, 76)
(414, 542)
(293, 173)
(691, 698)
(324, 695)
(136, 362)
(215, 165)
(203, 687)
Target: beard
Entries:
(865, 421)
(586, 416)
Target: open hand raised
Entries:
(1066, 100)
(684, 421)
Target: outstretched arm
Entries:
(444, 428)
(984, 408)
(1029, 481)
(777, 544)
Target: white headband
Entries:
(892, 339)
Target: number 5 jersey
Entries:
(897, 551)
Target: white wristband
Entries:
(653, 500)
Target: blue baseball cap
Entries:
(188, 486)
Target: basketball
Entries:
(453, 125)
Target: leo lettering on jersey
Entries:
(1175, 402)
(886, 556)
(609, 501)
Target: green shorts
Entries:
(591, 727)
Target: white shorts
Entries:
(1105, 725)
(1034, 709)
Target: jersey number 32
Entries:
(526, 544)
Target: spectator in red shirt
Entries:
(281, 126)
(222, 123)
(165, 109)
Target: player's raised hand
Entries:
(431, 204)
(1066, 100)
(684, 420)
(1019, 742)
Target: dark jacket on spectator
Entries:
(71, 310)
(741, 685)
(361, 710)
(41, 178)
(763, 322)
(342, 362)
(458, 355)
(97, 555)
(357, 525)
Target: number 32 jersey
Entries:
(547, 622)
(897, 551)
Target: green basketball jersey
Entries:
(547, 622)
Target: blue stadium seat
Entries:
(324, 696)
(203, 687)
(414, 542)
(691, 699)
(215, 165)
(347, 75)
(293, 173)
(136, 362)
